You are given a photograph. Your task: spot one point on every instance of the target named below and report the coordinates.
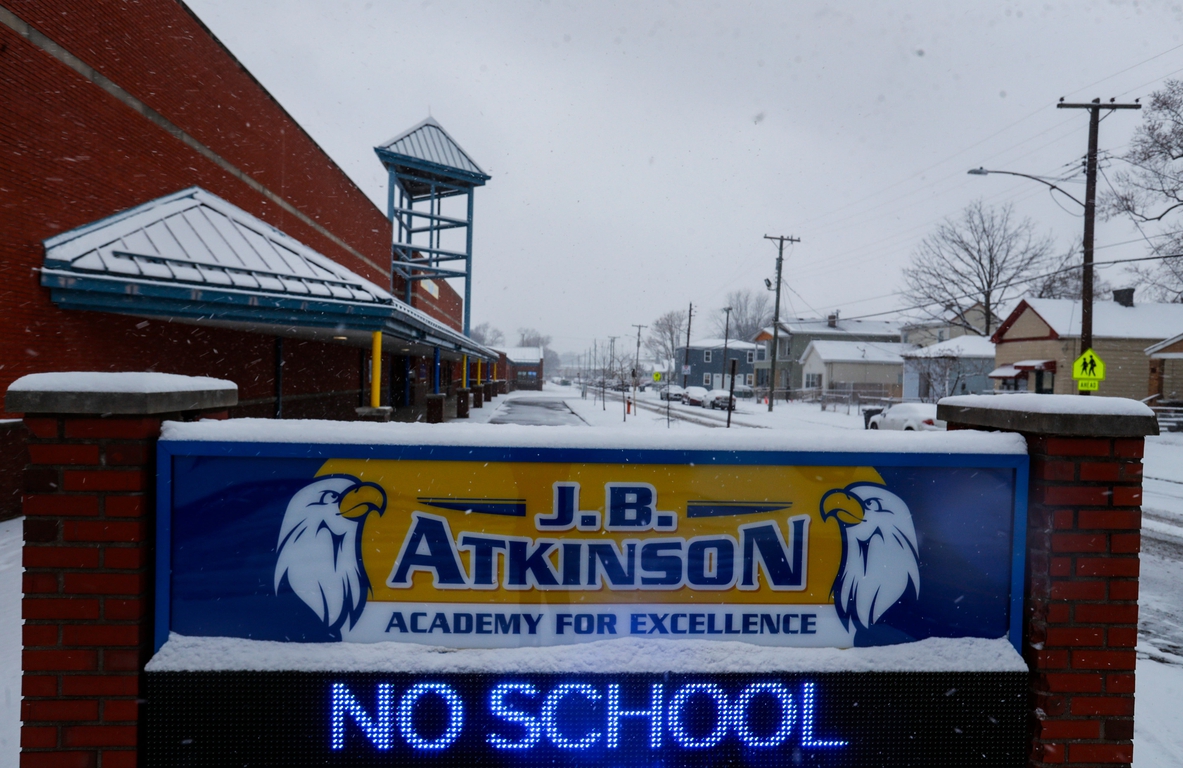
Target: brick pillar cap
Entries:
(123, 392)
(1067, 415)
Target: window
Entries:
(749, 379)
(706, 355)
(706, 379)
(762, 352)
(751, 356)
(813, 381)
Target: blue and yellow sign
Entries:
(482, 547)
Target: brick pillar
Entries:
(88, 556)
(1083, 536)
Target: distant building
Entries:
(1166, 370)
(869, 368)
(1039, 341)
(524, 367)
(970, 321)
(796, 335)
(957, 366)
(707, 366)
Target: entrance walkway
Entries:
(537, 411)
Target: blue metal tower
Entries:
(426, 166)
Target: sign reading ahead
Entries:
(427, 545)
(1089, 371)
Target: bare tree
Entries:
(486, 334)
(939, 375)
(529, 337)
(1064, 278)
(1150, 191)
(750, 311)
(666, 334)
(983, 256)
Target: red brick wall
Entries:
(87, 585)
(1083, 538)
(70, 153)
(448, 308)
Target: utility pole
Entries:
(1090, 211)
(726, 334)
(612, 363)
(637, 362)
(686, 362)
(780, 259)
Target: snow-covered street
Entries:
(1159, 734)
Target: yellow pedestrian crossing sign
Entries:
(1089, 371)
(657, 375)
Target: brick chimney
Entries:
(1124, 296)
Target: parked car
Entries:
(743, 391)
(909, 417)
(694, 396)
(719, 399)
(671, 392)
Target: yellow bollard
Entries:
(376, 370)
(478, 371)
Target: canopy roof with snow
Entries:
(1111, 320)
(194, 257)
(878, 352)
(962, 346)
(524, 355)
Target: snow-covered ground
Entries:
(1159, 732)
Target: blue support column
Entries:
(468, 268)
(435, 379)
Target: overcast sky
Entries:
(640, 151)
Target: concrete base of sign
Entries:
(462, 399)
(478, 396)
(367, 413)
(435, 409)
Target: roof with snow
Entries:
(524, 355)
(887, 329)
(429, 146)
(962, 346)
(718, 344)
(1110, 319)
(880, 352)
(193, 256)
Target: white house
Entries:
(867, 367)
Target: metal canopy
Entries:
(194, 257)
(426, 166)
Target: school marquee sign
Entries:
(488, 547)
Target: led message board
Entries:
(488, 548)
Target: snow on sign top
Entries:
(1056, 404)
(117, 381)
(630, 655)
(517, 436)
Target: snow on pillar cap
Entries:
(1060, 415)
(125, 392)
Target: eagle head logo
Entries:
(319, 549)
(880, 558)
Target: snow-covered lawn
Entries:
(1159, 733)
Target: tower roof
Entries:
(428, 147)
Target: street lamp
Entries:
(1086, 278)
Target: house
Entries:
(970, 321)
(796, 334)
(869, 368)
(957, 366)
(1166, 371)
(706, 364)
(524, 367)
(1038, 342)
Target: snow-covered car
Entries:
(719, 399)
(744, 392)
(908, 417)
(671, 392)
(694, 396)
